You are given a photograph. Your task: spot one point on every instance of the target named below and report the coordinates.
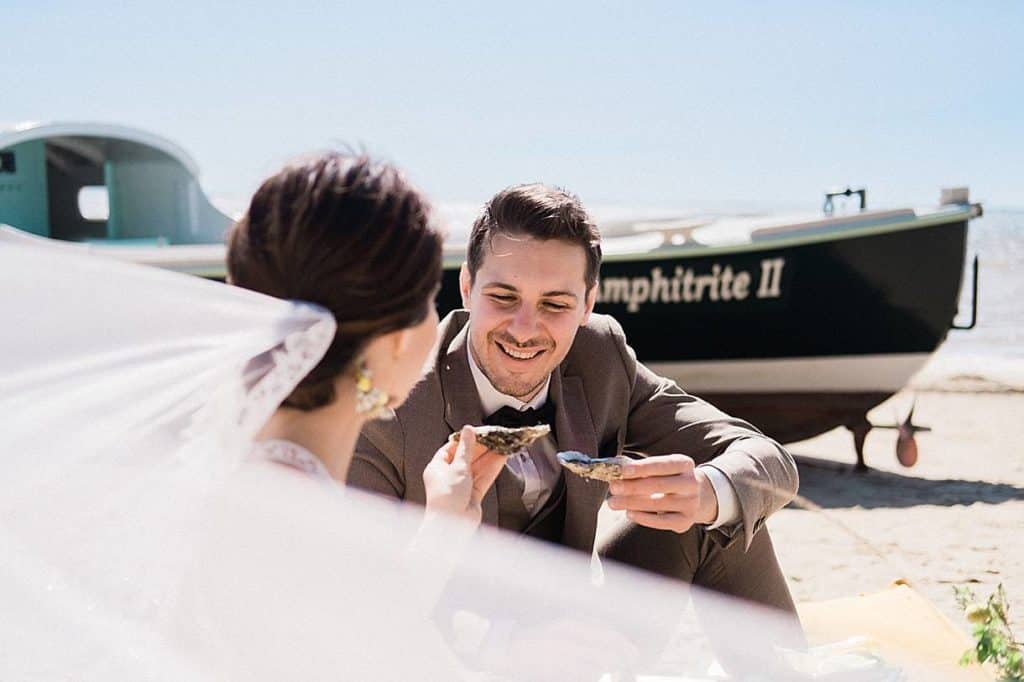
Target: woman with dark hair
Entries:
(353, 236)
(149, 528)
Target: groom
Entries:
(528, 349)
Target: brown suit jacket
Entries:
(607, 403)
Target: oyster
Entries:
(600, 468)
(506, 441)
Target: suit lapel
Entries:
(574, 430)
(462, 402)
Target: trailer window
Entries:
(7, 164)
(94, 202)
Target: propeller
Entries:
(906, 444)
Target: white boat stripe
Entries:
(838, 374)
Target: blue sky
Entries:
(635, 104)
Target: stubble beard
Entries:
(522, 389)
(519, 390)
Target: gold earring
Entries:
(370, 401)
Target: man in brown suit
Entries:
(528, 349)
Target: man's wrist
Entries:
(707, 511)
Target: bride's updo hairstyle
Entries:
(349, 234)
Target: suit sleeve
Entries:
(664, 419)
(377, 464)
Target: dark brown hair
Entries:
(539, 211)
(349, 234)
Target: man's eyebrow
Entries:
(561, 293)
(509, 287)
(500, 285)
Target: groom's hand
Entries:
(665, 492)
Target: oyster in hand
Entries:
(599, 468)
(506, 441)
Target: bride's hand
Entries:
(459, 476)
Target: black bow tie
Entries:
(513, 418)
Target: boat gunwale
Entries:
(941, 217)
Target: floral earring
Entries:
(370, 401)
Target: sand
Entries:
(957, 517)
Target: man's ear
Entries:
(465, 284)
(591, 301)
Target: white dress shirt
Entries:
(539, 470)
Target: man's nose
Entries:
(524, 324)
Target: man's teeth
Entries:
(519, 355)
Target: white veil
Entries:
(137, 542)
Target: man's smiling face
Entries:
(526, 303)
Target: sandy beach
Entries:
(955, 518)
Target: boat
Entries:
(798, 323)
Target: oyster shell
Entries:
(599, 468)
(506, 441)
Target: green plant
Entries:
(991, 630)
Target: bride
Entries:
(354, 237)
(177, 446)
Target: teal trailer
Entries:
(108, 186)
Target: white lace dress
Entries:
(292, 455)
